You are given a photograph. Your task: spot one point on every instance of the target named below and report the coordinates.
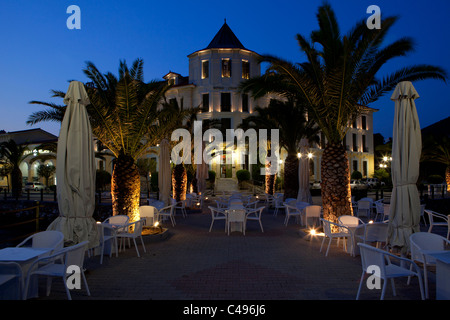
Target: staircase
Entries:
(226, 185)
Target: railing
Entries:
(4, 228)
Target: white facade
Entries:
(215, 74)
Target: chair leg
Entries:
(360, 285)
(69, 297)
(85, 283)
(394, 292)
(143, 245)
(425, 280)
(135, 245)
(329, 243)
(383, 291)
(210, 228)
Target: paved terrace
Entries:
(194, 264)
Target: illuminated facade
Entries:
(215, 73)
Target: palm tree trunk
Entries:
(126, 188)
(16, 182)
(270, 180)
(291, 176)
(336, 192)
(447, 178)
(179, 182)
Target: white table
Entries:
(24, 256)
(442, 274)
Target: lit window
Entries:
(244, 102)
(245, 69)
(225, 102)
(205, 97)
(205, 69)
(226, 68)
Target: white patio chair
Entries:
(109, 235)
(255, 215)
(291, 211)
(136, 227)
(48, 266)
(118, 222)
(379, 209)
(312, 212)
(217, 214)
(423, 243)
(363, 208)
(278, 202)
(179, 205)
(422, 214)
(350, 221)
(148, 213)
(386, 211)
(45, 239)
(221, 204)
(376, 232)
(251, 205)
(327, 225)
(167, 212)
(436, 219)
(268, 200)
(373, 257)
(11, 271)
(237, 217)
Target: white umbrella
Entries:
(304, 195)
(202, 173)
(164, 174)
(404, 215)
(75, 171)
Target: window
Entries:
(364, 143)
(205, 97)
(355, 146)
(226, 68)
(245, 69)
(364, 122)
(244, 102)
(354, 124)
(365, 171)
(355, 165)
(205, 69)
(225, 102)
(225, 124)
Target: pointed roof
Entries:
(225, 38)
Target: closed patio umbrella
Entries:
(304, 194)
(164, 174)
(404, 215)
(75, 171)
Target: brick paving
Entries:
(194, 264)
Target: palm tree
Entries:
(290, 118)
(183, 119)
(338, 79)
(124, 116)
(13, 155)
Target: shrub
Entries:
(356, 175)
(211, 176)
(243, 175)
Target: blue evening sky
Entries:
(39, 53)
